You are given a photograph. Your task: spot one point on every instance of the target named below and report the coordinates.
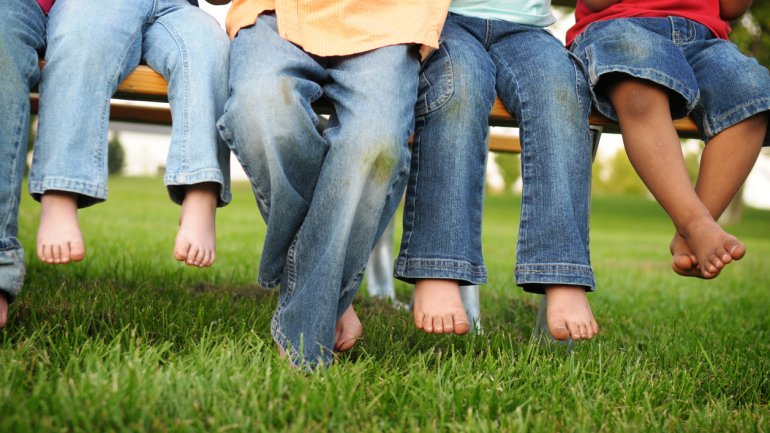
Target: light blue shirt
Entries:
(531, 12)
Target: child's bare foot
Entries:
(438, 308)
(196, 240)
(348, 331)
(683, 260)
(3, 310)
(59, 239)
(713, 247)
(569, 314)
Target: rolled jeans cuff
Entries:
(88, 193)
(12, 270)
(176, 183)
(534, 278)
(468, 274)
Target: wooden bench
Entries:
(146, 85)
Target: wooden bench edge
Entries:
(147, 85)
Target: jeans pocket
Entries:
(436, 82)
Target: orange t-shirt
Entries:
(344, 27)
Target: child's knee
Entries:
(636, 97)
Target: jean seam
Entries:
(288, 286)
(179, 41)
(563, 273)
(10, 243)
(16, 182)
(440, 264)
(191, 178)
(525, 172)
(109, 90)
(711, 125)
(409, 211)
(291, 271)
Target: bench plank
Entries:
(144, 84)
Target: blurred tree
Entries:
(30, 140)
(510, 169)
(752, 32)
(116, 156)
(616, 176)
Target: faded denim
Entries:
(22, 37)
(326, 197)
(92, 47)
(546, 90)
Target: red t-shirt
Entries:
(45, 4)
(705, 12)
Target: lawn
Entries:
(129, 340)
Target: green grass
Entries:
(129, 340)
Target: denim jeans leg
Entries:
(22, 34)
(270, 126)
(189, 48)
(92, 46)
(547, 91)
(444, 199)
(358, 189)
(324, 197)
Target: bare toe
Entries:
(461, 326)
(737, 250)
(438, 325)
(419, 319)
(448, 322)
(560, 332)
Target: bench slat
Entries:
(147, 85)
(686, 127)
(144, 83)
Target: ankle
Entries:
(694, 224)
(202, 193)
(557, 290)
(59, 200)
(431, 284)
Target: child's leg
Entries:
(553, 248)
(736, 147)
(22, 33)
(187, 47)
(654, 150)
(441, 243)
(325, 197)
(91, 47)
(733, 114)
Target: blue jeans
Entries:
(547, 91)
(326, 197)
(92, 46)
(22, 35)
